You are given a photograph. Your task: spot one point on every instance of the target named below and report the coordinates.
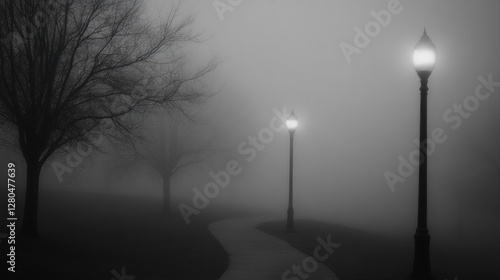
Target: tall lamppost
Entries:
(291, 123)
(424, 59)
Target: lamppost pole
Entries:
(424, 59)
(291, 123)
(421, 262)
(289, 220)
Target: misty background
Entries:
(355, 119)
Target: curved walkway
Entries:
(256, 255)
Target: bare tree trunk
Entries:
(30, 219)
(166, 194)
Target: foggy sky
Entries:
(357, 118)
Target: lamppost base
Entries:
(421, 262)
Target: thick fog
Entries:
(356, 119)
(358, 114)
(357, 103)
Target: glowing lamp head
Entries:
(424, 55)
(291, 122)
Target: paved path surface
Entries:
(255, 255)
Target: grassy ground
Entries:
(84, 236)
(366, 256)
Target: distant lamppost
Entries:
(291, 123)
(424, 59)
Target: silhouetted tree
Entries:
(166, 146)
(172, 148)
(75, 66)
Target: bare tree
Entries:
(166, 146)
(73, 66)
